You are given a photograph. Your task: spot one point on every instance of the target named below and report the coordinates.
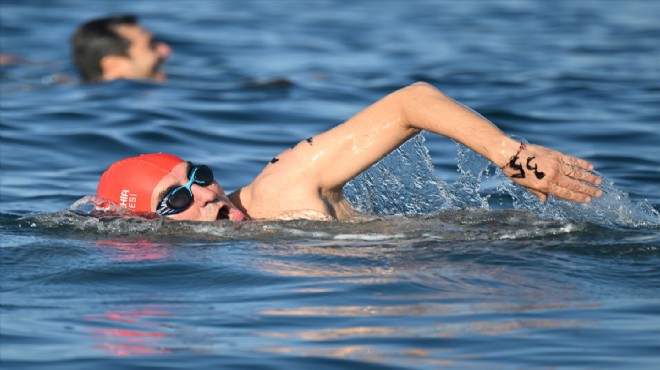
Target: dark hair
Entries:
(96, 39)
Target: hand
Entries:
(546, 172)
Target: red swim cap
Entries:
(131, 181)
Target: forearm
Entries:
(425, 108)
(541, 170)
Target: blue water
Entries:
(453, 267)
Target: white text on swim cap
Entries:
(127, 199)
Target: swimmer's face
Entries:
(209, 203)
(145, 55)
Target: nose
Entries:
(163, 50)
(203, 194)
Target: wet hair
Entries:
(96, 39)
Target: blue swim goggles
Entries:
(180, 198)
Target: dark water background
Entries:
(458, 269)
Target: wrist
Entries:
(507, 149)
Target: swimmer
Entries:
(9, 59)
(117, 47)
(306, 181)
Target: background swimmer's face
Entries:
(145, 56)
(209, 203)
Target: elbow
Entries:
(421, 84)
(418, 93)
(424, 89)
(415, 99)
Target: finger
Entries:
(542, 196)
(578, 162)
(579, 174)
(581, 187)
(577, 187)
(575, 181)
(568, 194)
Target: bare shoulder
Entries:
(286, 184)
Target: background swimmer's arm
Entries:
(343, 152)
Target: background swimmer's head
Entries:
(130, 182)
(118, 47)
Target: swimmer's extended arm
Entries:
(338, 155)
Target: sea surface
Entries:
(451, 266)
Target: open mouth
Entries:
(230, 213)
(223, 213)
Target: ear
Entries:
(114, 67)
